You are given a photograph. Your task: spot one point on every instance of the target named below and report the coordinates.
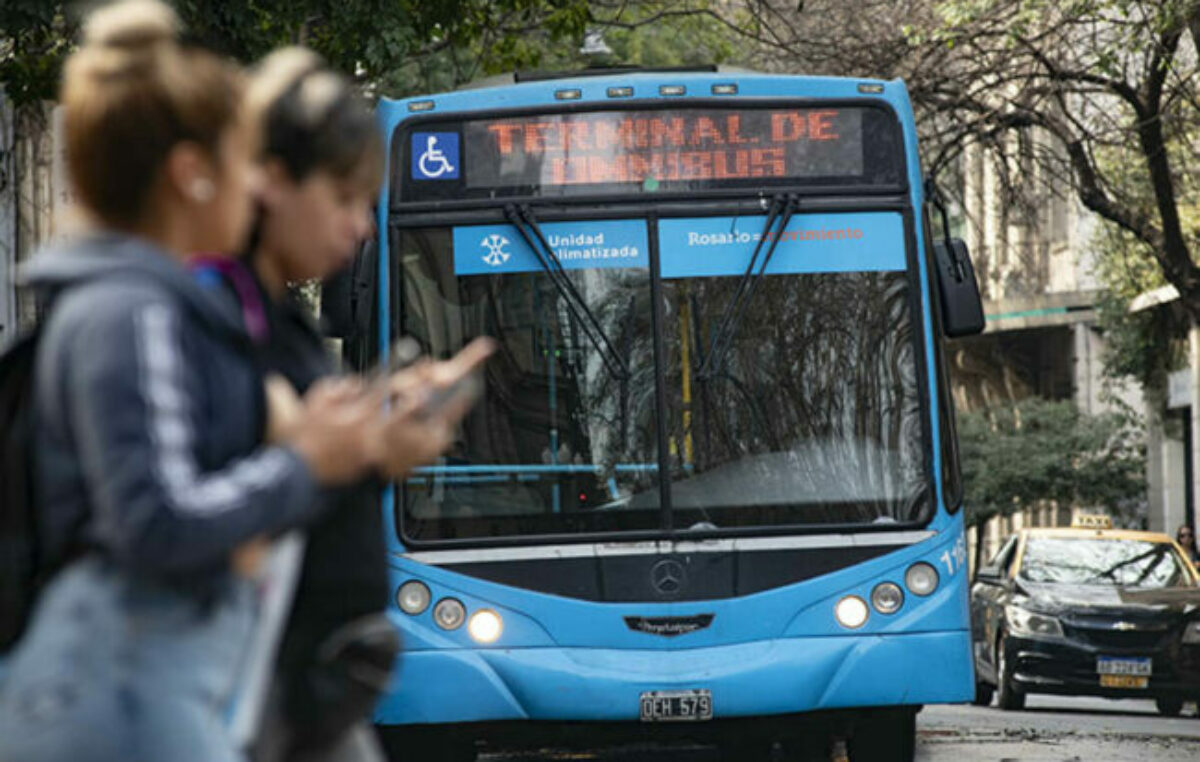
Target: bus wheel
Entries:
(741, 749)
(427, 746)
(1007, 696)
(889, 736)
(1169, 707)
(983, 694)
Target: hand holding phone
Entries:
(455, 385)
(428, 401)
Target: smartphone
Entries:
(465, 391)
(468, 387)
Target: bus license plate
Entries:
(1124, 673)
(676, 706)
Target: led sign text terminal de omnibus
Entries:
(600, 150)
(633, 132)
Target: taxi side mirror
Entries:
(988, 574)
(962, 309)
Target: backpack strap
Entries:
(22, 567)
(210, 271)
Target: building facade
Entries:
(1032, 243)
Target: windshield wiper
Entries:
(523, 219)
(780, 211)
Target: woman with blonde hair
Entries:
(151, 470)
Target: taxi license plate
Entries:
(676, 706)
(1124, 673)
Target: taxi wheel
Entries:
(1007, 696)
(1169, 707)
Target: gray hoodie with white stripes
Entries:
(150, 416)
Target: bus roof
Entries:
(640, 87)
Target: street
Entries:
(1052, 729)
(1059, 729)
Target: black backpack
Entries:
(21, 565)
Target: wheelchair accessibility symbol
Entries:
(435, 155)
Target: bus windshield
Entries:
(810, 415)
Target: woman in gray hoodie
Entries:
(151, 417)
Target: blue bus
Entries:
(711, 489)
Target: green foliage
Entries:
(1141, 345)
(645, 39)
(1145, 345)
(395, 47)
(636, 34)
(401, 43)
(34, 40)
(1015, 456)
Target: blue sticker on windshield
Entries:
(435, 156)
(811, 243)
(602, 244)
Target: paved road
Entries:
(1050, 730)
(1054, 729)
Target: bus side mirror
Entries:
(962, 309)
(346, 296)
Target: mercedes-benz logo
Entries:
(668, 576)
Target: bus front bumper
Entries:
(769, 677)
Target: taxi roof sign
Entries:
(1091, 521)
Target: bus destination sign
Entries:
(693, 146)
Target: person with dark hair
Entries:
(322, 161)
(161, 457)
(1186, 537)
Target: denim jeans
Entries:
(117, 669)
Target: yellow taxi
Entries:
(1087, 610)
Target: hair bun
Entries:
(131, 24)
(277, 73)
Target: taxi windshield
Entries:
(1107, 561)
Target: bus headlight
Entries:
(851, 612)
(485, 626)
(413, 597)
(1024, 622)
(887, 597)
(449, 614)
(921, 579)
